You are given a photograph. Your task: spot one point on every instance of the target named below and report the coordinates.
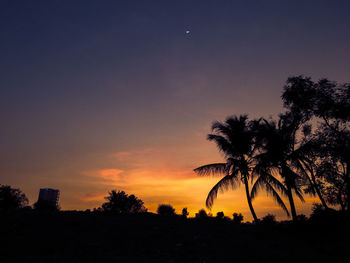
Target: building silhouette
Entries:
(49, 195)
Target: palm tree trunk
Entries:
(250, 200)
(291, 202)
(313, 182)
(317, 189)
(347, 180)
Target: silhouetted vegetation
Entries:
(121, 203)
(328, 159)
(308, 158)
(269, 219)
(220, 215)
(237, 218)
(165, 210)
(11, 198)
(184, 212)
(202, 214)
(291, 156)
(44, 205)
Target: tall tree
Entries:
(122, 203)
(329, 103)
(236, 140)
(279, 155)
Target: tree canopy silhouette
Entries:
(280, 155)
(236, 139)
(166, 210)
(329, 103)
(11, 198)
(121, 203)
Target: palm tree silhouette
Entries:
(235, 138)
(279, 155)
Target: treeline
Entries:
(305, 151)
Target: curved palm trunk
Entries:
(317, 189)
(250, 200)
(291, 202)
(347, 180)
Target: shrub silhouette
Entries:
(11, 198)
(121, 203)
(237, 218)
(202, 214)
(269, 219)
(166, 210)
(43, 205)
(302, 218)
(220, 215)
(184, 212)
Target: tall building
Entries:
(49, 195)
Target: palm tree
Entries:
(236, 140)
(279, 155)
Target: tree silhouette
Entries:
(184, 212)
(202, 214)
(329, 103)
(121, 203)
(279, 155)
(220, 215)
(236, 139)
(269, 219)
(237, 218)
(11, 198)
(166, 210)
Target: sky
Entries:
(102, 95)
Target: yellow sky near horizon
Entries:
(165, 181)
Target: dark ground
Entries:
(79, 237)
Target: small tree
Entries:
(166, 210)
(121, 203)
(202, 214)
(220, 215)
(11, 198)
(237, 218)
(184, 212)
(269, 219)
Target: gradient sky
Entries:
(102, 95)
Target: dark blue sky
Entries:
(83, 79)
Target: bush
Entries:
(121, 203)
(302, 218)
(202, 214)
(11, 198)
(319, 213)
(269, 219)
(220, 215)
(237, 218)
(166, 210)
(184, 212)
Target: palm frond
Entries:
(212, 169)
(257, 186)
(230, 181)
(299, 194)
(270, 190)
(263, 183)
(221, 142)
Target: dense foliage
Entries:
(121, 203)
(305, 151)
(11, 198)
(166, 210)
